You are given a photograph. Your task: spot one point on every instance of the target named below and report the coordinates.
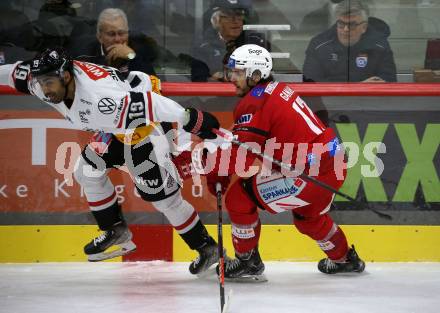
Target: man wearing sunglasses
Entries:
(351, 50)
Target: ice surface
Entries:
(170, 288)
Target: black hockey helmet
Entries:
(52, 61)
(231, 7)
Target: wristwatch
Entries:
(131, 55)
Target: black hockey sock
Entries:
(109, 217)
(197, 237)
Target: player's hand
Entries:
(118, 51)
(201, 123)
(217, 76)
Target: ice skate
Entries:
(110, 244)
(245, 268)
(352, 264)
(208, 255)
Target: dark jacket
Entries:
(329, 61)
(207, 57)
(145, 48)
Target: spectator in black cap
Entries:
(227, 19)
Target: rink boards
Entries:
(44, 219)
(376, 243)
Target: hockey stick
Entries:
(301, 175)
(221, 261)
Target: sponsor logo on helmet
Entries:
(54, 55)
(231, 63)
(107, 106)
(255, 51)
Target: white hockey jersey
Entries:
(104, 100)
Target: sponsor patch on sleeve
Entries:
(257, 92)
(245, 118)
(270, 87)
(334, 146)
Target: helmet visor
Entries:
(50, 85)
(231, 74)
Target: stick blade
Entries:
(227, 302)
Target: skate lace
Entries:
(197, 261)
(100, 238)
(330, 265)
(232, 264)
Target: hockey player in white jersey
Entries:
(94, 97)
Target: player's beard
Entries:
(57, 97)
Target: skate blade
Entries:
(123, 249)
(248, 279)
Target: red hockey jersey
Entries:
(276, 120)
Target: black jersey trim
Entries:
(253, 130)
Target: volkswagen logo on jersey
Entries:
(361, 61)
(107, 106)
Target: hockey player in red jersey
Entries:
(99, 98)
(275, 120)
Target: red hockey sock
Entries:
(334, 244)
(245, 237)
(330, 238)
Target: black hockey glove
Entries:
(201, 124)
